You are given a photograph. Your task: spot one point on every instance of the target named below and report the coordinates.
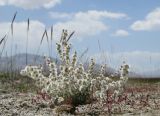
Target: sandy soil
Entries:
(143, 100)
(21, 104)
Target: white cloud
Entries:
(2, 2)
(151, 22)
(20, 35)
(89, 25)
(57, 15)
(89, 14)
(120, 33)
(85, 23)
(30, 4)
(100, 14)
(139, 61)
(82, 28)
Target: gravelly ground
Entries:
(15, 104)
(21, 104)
(18, 104)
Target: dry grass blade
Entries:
(14, 17)
(70, 35)
(2, 39)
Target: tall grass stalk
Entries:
(44, 34)
(3, 41)
(51, 40)
(12, 40)
(7, 70)
(15, 61)
(35, 59)
(69, 37)
(103, 56)
(47, 42)
(28, 23)
(82, 55)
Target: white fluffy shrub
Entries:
(70, 77)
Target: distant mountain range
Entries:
(153, 73)
(19, 62)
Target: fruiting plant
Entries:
(69, 81)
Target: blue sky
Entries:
(126, 30)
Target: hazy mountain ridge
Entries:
(19, 62)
